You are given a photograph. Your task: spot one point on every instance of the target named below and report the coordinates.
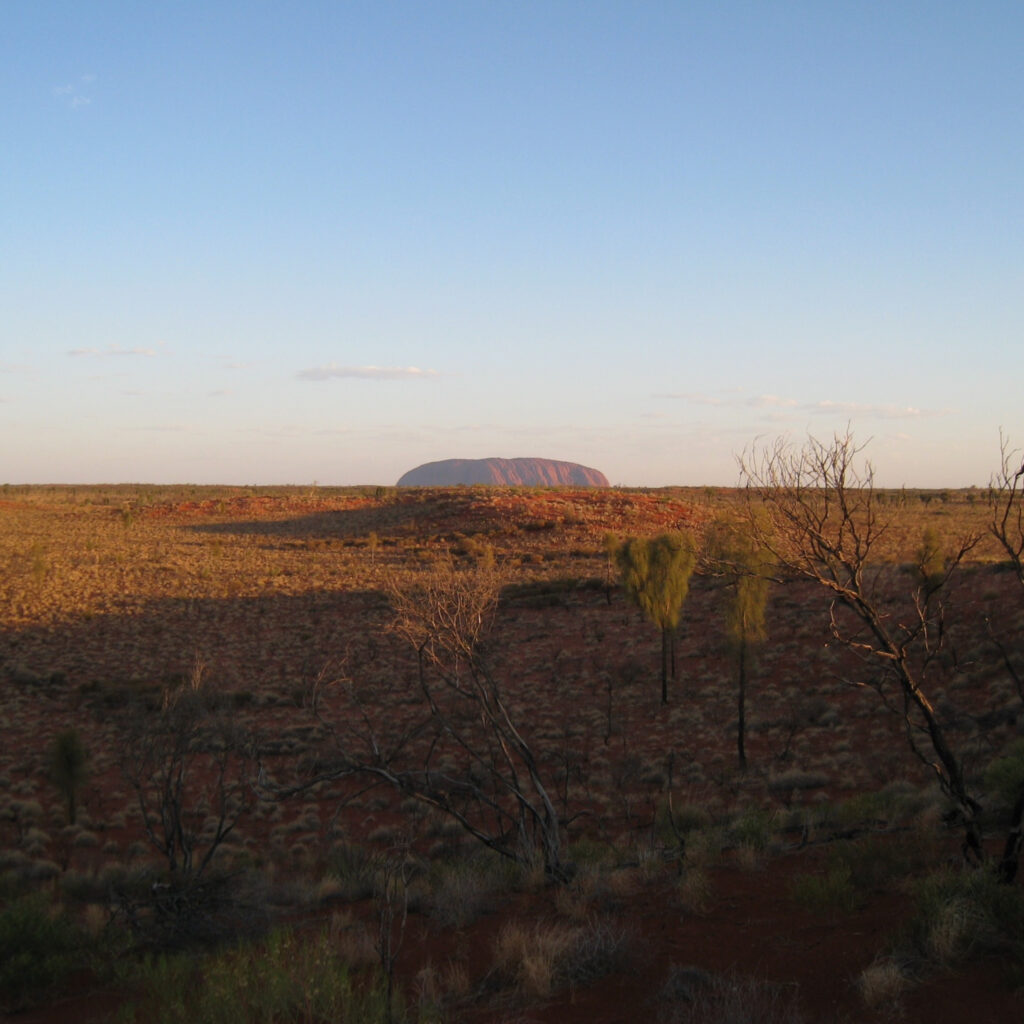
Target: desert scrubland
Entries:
(320, 754)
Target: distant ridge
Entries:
(503, 472)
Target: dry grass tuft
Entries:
(882, 984)
(529, 957)
(537, 960)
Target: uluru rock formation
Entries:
(503, 472)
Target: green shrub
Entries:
(587, 851)
(753, 828)
(354, 868)
(876, 862)
(691, 995)
(680, 821)
(1004, 778)
(38, 949)
(865, 809)
(831, 892)
(167, 911)
(287, 978)
(962, 915)
(461, 891)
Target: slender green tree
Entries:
(746, 566)
(656, 573)
(68, 768)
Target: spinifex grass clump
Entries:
(832, 891)
(962, 915)
(287, 978)
(537, 960)
(694, 996)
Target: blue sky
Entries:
(277, 243)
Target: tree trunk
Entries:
(741, 729)
(954, 782)
(1010, 860)
(664, 665)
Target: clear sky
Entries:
(270, 242)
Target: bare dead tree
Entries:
(459, 748)
(1006, 499)
(1006, 524)
(190, 771)
(1006, 503)
(815, 510)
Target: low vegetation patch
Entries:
(537, 960)
(40, 945)
(963, 915)
(290, 977)
(691, 995)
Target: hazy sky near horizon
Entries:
(271, 242)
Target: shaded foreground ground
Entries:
(105, 600)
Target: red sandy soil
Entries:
(266, 633)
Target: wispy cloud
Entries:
(694, 398)
(776, 405)
(882, 412)
(111, 350)
(731, 400)
(75, 95)
(332, 370)
(770, 402)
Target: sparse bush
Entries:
(175, 911)
(828, 893)
(787, 782)
(354, 870)
(967, 914)
(603, 948)
(693, 996)
(1004, 778)
(876, 862)
(539, 960)
(694, 890)
(38, 949)
(883, 983)
(459, 893)
(674, 824)
(753, 828)
(185, 761)
(286, 978)
(704, 847)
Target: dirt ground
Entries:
(111, 593)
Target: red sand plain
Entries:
(264, 590)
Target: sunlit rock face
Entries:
(503, 472)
